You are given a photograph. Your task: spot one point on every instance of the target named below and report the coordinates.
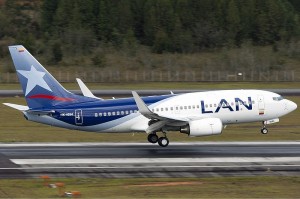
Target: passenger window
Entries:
(193, 106)
(190, 107)
(100, 114)
(197, 106)
(126, 112)
(181, 108)
(122, 112)
(157, 109)
(104, 114)
(176, 108)
(113, 113)
(109, 113)
(166, 109)
(171, 108)
(96, 114)
(118, 112)
(162, 109)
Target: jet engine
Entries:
(206, 126)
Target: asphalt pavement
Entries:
(118, 160)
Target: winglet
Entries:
(84, 89)
(143, 108)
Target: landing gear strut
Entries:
(264, 130)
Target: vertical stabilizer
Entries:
(40, 88)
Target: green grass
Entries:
(228, 187)
(174, 85)
(14, 128)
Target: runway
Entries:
(117, 160)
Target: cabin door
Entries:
(261, 105)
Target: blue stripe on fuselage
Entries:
(89, 109)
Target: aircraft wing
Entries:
(162, 120)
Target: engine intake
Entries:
(206, 126)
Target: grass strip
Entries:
(217, 187)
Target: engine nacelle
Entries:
(206, 126)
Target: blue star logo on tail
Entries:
(34, 78)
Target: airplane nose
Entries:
(292, 106)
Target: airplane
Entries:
(195, 114)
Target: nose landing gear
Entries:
(264, 130)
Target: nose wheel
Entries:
(264, 129)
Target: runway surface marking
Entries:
(155, 160)
(118, 160)
(151, 167)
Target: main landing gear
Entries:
(264, 130)
(162, 141)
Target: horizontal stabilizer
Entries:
(26, 109)
(17, 106)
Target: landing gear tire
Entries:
(264, 130)
(152, 138)
(163, 141)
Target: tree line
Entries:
(73, 27)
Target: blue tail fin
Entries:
(40, 88)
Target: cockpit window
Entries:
(279, 98)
